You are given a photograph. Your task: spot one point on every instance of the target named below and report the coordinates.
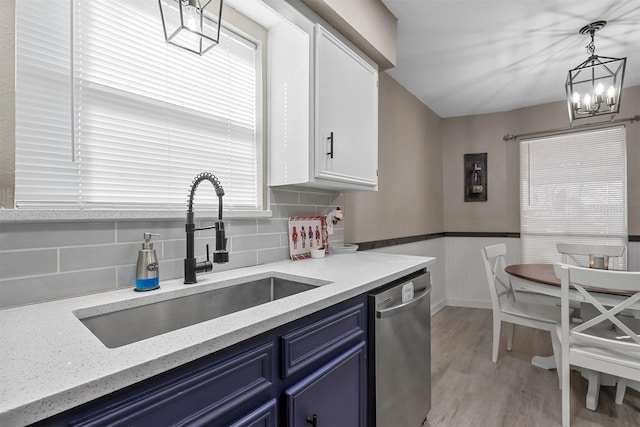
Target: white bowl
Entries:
(317, 253)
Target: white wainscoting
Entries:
(634, 256)
(431, 248)
(464, 272)
(458, 276)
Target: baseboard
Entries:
(437, 307)
(468, 303)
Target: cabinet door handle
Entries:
(313, 420)
(330, 153)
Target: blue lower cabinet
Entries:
(314, 365)
(333, 395)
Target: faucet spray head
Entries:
(220, 255)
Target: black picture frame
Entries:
(475, 177)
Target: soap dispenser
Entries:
(147, 270)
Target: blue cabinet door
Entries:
(333, 395)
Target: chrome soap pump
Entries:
(147, 270)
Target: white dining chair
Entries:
(507, 309)
(608, 343)
(574, 253)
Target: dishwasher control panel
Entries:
(407, 292)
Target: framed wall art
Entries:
(306, 233)
(475, 177)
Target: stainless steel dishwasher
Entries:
(400, 352)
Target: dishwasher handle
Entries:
(387, 312)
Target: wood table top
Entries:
(544, 273)
(540, 273)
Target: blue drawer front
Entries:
(322, 339)
(196, 398)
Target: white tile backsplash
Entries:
(28, 290)
(28, 263)
(85, 257)
(41, 261)
(48, 235)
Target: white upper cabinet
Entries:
(323, 111)
(346, 114)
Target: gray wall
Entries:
(46, 261)
(483, 133)
(409, 199)
(421, 178)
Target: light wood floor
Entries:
(469, 390)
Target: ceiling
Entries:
(476, 56)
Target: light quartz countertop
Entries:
(50, 362)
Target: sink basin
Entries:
(122, 327)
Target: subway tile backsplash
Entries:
(42, 235)
(40, 288)
(42, 261)
(46, 261)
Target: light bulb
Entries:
(575, 101)
(575, 98)
(611, 96)
(597, 97)
(587, 101)
(190, 23)
(599, 89)
(191, 17)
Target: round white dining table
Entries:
(542, 279)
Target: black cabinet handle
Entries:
(330, 153)
(313, 420)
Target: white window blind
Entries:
(573, 188)
(121, 119)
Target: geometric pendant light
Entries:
(193, 25)
(594, 87)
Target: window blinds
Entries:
(146, 117)
(573, 189)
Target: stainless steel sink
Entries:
(122, 327)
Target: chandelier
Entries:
(193, 25)
(594, 88)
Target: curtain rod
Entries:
(509, 137)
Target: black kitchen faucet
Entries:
(220, 255)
